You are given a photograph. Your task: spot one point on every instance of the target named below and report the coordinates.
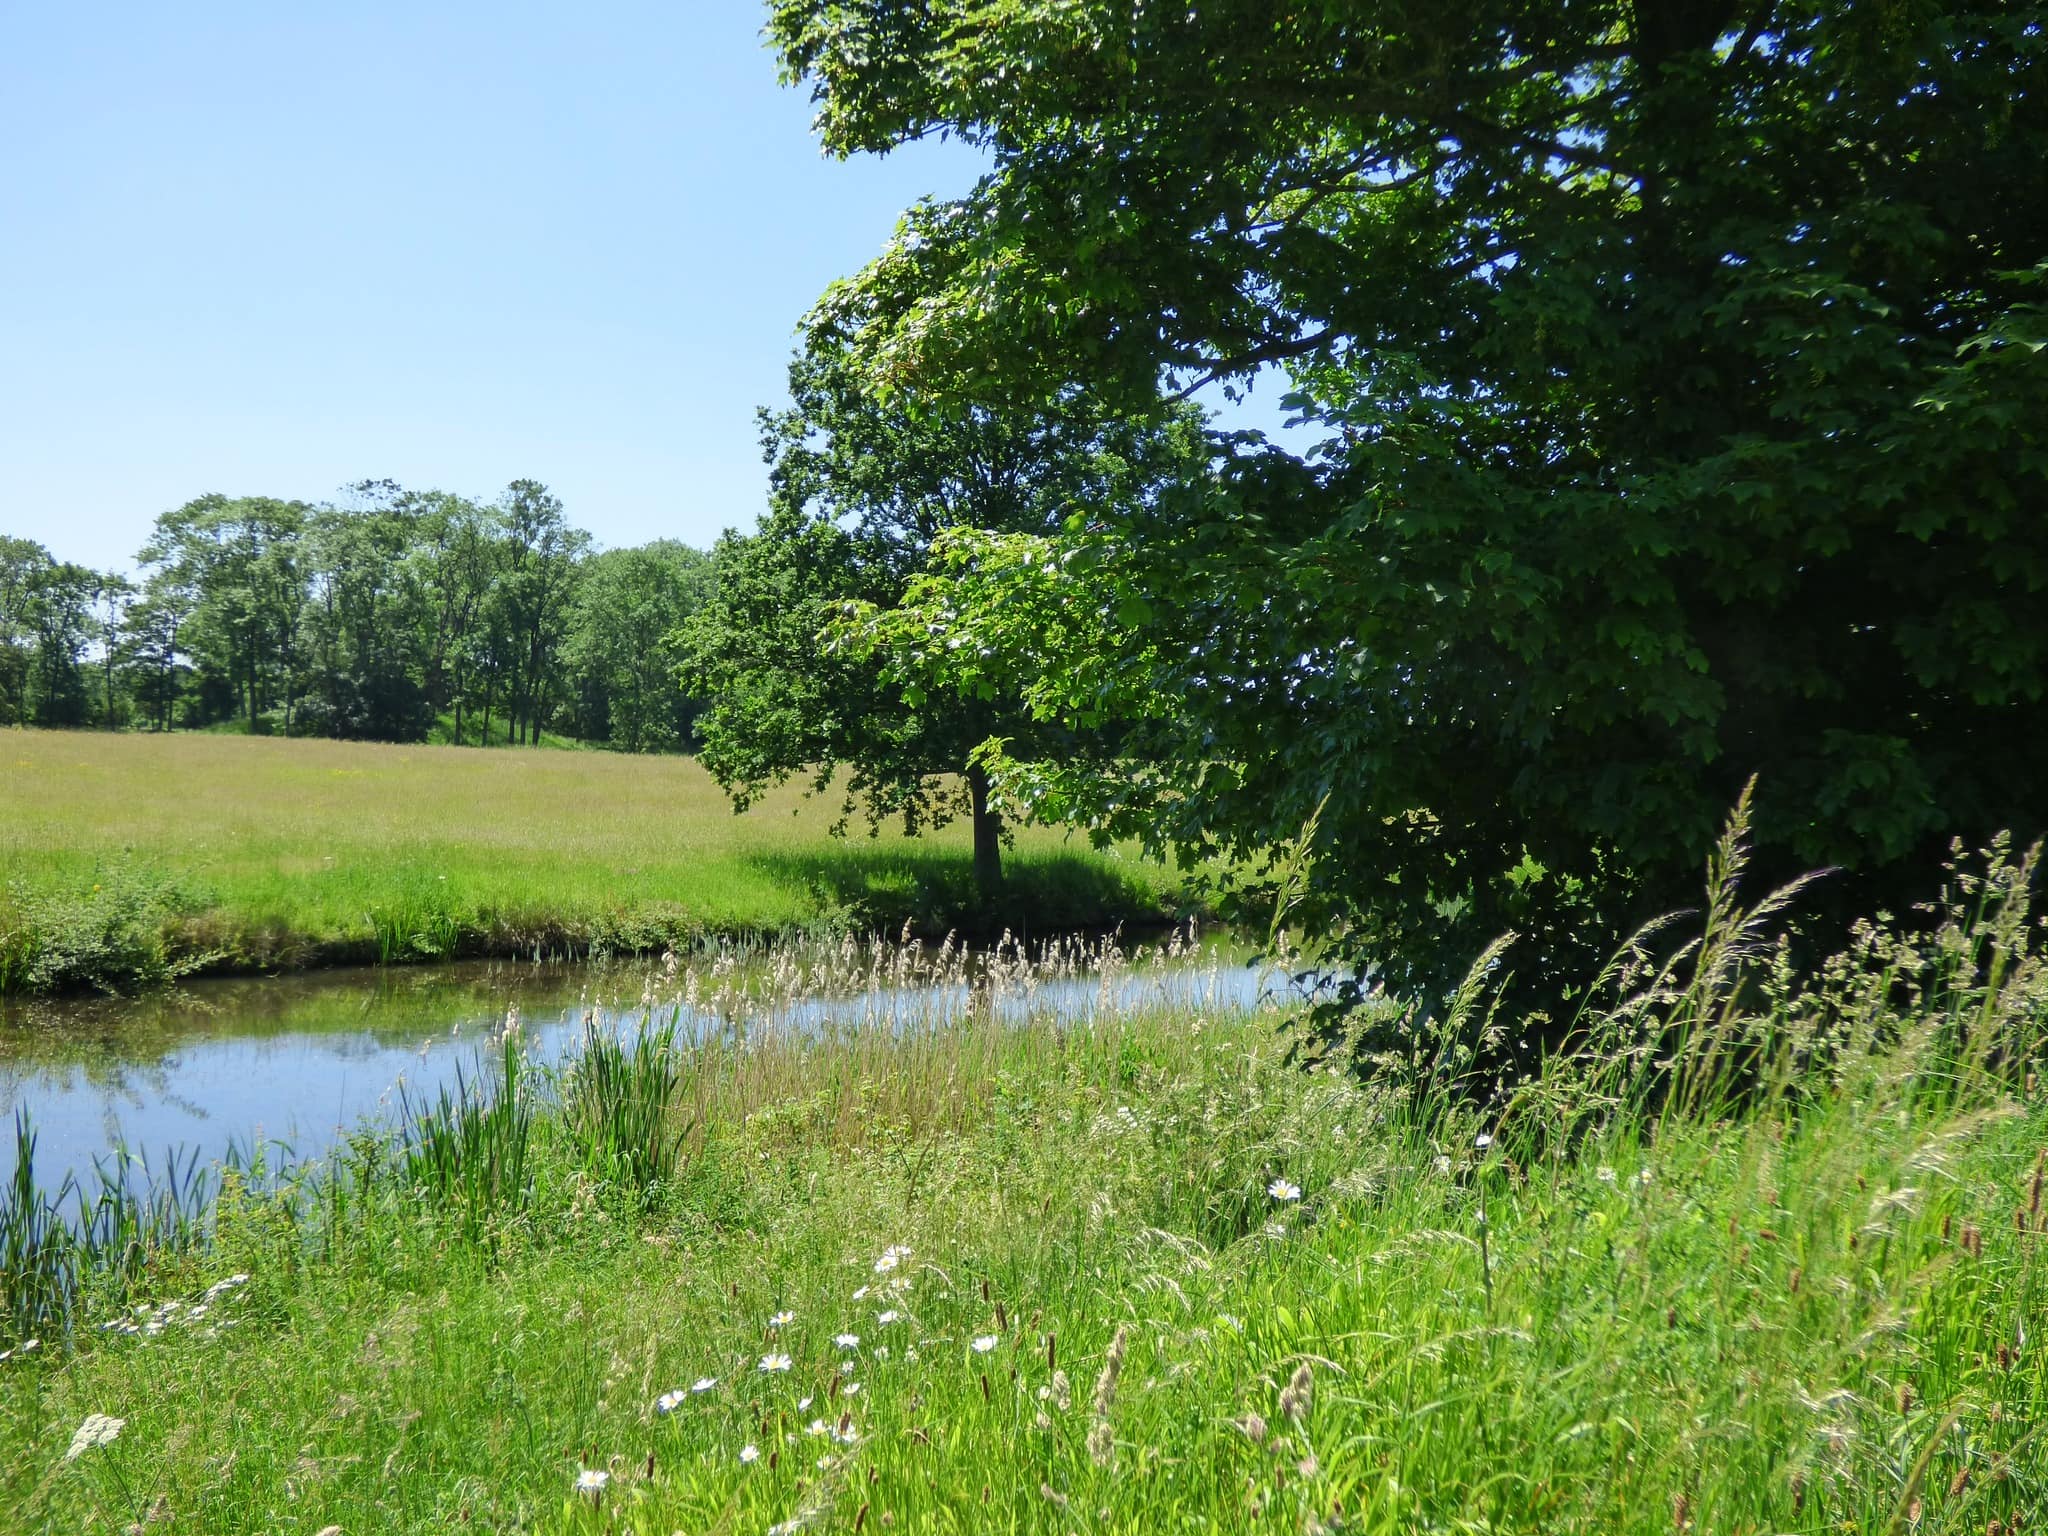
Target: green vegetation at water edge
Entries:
(129, 858)
(1748, 1258)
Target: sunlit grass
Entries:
(280, 852)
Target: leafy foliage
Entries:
(863, 486)
(1676, 377)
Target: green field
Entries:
(263, 852)
(1141, 1275)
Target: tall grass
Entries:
(1753, 1250)
(466, 1150)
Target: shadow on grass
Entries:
(933, 890)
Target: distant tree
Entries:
(628, 602)
(532, 599)
(362, 624)
(112, 596)
(46, 628)
(860, 488)
(238, 559)
(22, 562)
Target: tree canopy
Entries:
(1677, 386)
(861, 487)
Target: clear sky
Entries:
(267, 248)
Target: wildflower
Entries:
(851, 1389)
(221, 1287)
(592, 1481)
(888, 1317)
(703, 1383)
(881, 1351)
(1276, 1230)
(1644, 1178)
(984, 1343)
(1605, 1174)
(815, 1427)
(910, 1353)
(1481, 1142)
(846, 1367)
(892, 1256)
(861, 1294)
(749, 1454)
(845, 1433)
(782, 1320)
(1281, 1189)
(1443, 1164)
(98, 1429)
(775, 1362)
(669, 1402)
(847, 1341)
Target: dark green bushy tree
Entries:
(1679, 382)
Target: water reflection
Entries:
(292, 1063)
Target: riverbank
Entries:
(131, 858)
(1139, 1275)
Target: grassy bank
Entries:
(134, 855)
(1744, 1259)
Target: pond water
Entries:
(290, 1064)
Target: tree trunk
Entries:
(988, 835)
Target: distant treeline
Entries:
(392, 615)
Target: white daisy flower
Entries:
(847, 1341)
(749, 1454)
(782, 1320)
(851, 1389)
(775, 1362)
(984, 1343)
(1482, 1141)
(668, 1402)
(802, 1404)
(892, 1256)
(1281, 1189)
(592, 1481)
(889, 1317)
(703, 1383)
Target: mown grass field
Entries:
(1138, 1276)
(267, 852)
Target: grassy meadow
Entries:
(129, 855)
(1738, 1258)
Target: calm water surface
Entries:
(292, 1063)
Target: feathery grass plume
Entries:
(1112, 1368)
(1298, 1396)
(1252, 1427)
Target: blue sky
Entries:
(263, 248)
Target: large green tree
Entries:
(1677, 378)
(862, 486)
